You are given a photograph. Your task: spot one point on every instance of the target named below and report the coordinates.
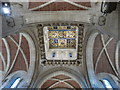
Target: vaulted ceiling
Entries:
(61, 5)
(61, 81)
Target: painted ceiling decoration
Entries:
(61, 44)
(59, 5)
(62, 37)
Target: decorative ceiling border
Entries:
(44, 61)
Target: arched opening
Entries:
(100, 57)
(89, 59)
(117, 57)
(61, 78)
(18, 57)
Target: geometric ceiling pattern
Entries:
(104, 55)
(15, 54)
(66, 61)
(62, 37)
(61, 81)
(59, 5)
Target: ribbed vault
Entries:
(61, 81)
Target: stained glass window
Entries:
(16, 82)
(107, 83)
